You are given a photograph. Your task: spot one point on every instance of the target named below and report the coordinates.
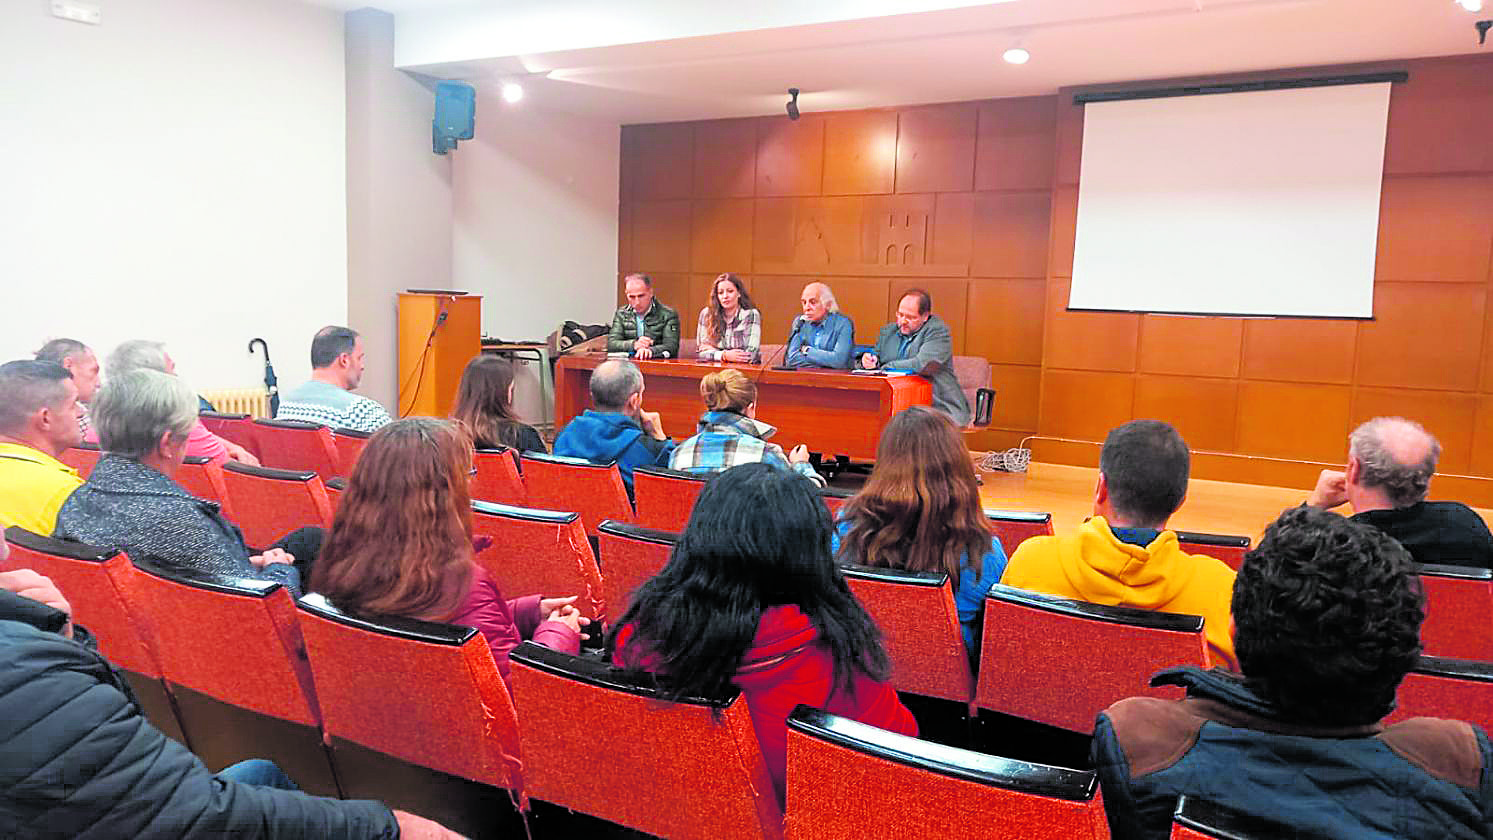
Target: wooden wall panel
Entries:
(936, 148)
(1085, 406)
(1448, 416)
(1014, 146)
(660, 236)
(1011, 234)
(1018, 389)
(1436, 228)
(1442, 118)
(1064, 231)
(1190, 346)
(1302, 422)
(1069, 153)
(951, 241)
(777, 298)
(1424, 335)
(656, 161)
(1004, 323)
(1482, 437)
(1087, 340)
(726, 159)
(1488, 348)
(790, 155)
(1300, 349)
(1202, 410)
(860, 152)
(625, 259)
(864, 300)
(717, 241)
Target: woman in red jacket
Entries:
(751, 599)
(401, 544)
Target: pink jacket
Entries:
(504, 624)
(200, 443)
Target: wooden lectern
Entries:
(439, 332)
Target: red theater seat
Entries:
(1455, 689)
(238, 428)
(82, 458)
(834, 499)
(294, 445)
(270, 503)
(1061, 662)
(539, 552)
(93, 580)
(600, 741)
(231, 651)
(349, 444)
(416, 716)
(595, 491)
(847, 779)
(631, 554)
(1229, 549)
(204, 479)
(665, 497)
(920, 625)
(1459, 612)
(497, 478)
(335, 488)
(1013, 527)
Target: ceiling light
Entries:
(1473, 6)
(512, 92)
(1017, 55)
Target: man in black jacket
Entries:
(78, 758)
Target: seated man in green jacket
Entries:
(919, 342)
(644, 328)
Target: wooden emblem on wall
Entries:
(852, 237)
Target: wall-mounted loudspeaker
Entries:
(455, 115)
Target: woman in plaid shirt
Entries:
(730, 434)
(730, 328)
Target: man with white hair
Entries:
(140, 354)
(1390, 464)
(821, 337)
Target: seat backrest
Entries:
(834, 498)
(595, 491)
(665, 497)
(82, 458)
(1013, 527)
(270, 503)
(684, 769)
(233, 639)
(92, 580)
(972, 373)
(238, 428)
(631, 554)
(1198, 819)
(349, 443)
(497, 479)
(425, 693)
(920, 628)
(848, 779)
(1061, 662)
(294, 445)
(1459, 601)
(1230, 549)
(1456, 689)
(335, 488)
(539, 552)
(204, 479)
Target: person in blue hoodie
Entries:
(617, 429)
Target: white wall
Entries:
(535, 218)
(398, 196)
(176, 173)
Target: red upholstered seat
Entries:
(834, 499)
(600, 741)
(349, 444)
(1456, 689)
(1197, 819)
(539, 552)
(238, 428)
(665, 497)
(1061, 662)
(231, 650)
(270, 503)
(1012, 527)
(497, 478)
(204, 479)
(847, 779)
(631, 554)
(82, 458)
(920, 625)
(1459, 612)
(335, 488)
(294, 445)
(595, 491)
(92, 580)
(1229, 549)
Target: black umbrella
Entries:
(271, 382)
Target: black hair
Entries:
(1145, 465)
(58, 349)
(758, 537)
(1327, 615)
(28, 386)
(331, 342)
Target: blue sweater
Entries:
(829, 342)
(602, 436)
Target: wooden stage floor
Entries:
(1216, 507)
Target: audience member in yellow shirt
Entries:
(38, 422)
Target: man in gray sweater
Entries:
(918, 342)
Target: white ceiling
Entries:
(953, 54)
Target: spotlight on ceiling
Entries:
(1016, 55)
(512, 92)
(792, 103)
(1473, 6)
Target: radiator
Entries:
(254, 402)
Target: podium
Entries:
(439, 332)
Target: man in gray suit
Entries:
(918, 342)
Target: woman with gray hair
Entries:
(139, 354)
(145, 419)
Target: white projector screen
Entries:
(1257, 203)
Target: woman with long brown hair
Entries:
(484, 405)
(920, 511)
(730, 328)
(401, 545)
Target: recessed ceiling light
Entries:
(1017, 55)
(512, 92)
(1473, 6)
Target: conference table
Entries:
(832, 412)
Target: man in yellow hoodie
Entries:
(1124, 555)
